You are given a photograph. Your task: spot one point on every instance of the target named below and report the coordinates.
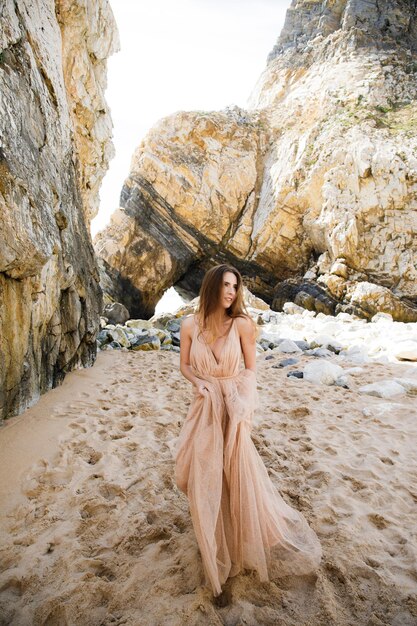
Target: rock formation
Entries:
(55, 146)
(315, 183)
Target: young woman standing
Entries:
(239, 518)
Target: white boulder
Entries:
(288, 347)
(290, 308)
(406, 350)
(322, 372)
(409, 384)
(383, 389)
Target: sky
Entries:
(180, 55)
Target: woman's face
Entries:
(229, 290)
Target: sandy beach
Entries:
(95, 532)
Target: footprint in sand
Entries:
(76, 426)
(117, 436)
(126, 426)
(110, 491)
(301, 411)
(134, 544)
(357, 485)
(96, 510)
(318, 478)
(88, 454)
(122, 413)
(378, 520)
(386, 460)
(13, 586)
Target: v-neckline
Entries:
(223, 347)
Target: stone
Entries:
(406, 350)
(295, 374)
(379, 410)
(367, 299)
(264, 344)
(409, 384)
(324, 341)
(55, 129)
(103, 322)
(116, 313)
(289, 347)
(343, 381)
(304, 293)
(286, 363)
(146, 343)
(382, 317)
(173, 326)
(354, 370)
(253, 301)
(321, 353)
(290, 308)
(103, 337)
(139, 324)
(339, 268)
(322, 372)
(160, 321)
(344, 317)
(356, 354)
(119, 335)
(383, 389)
(303, 345)
(268, 317)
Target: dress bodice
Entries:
(203, 360)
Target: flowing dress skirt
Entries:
(239, 518)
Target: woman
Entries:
(239, 518)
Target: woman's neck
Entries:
(219, 316)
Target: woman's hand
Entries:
(202, 388)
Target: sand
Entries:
(94, 531)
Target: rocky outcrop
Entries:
(317, 182)
(52, 113)
(187, 203)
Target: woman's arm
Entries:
(247, 334)
(186, 333)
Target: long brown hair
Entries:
(210, 292)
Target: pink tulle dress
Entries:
(240, 520)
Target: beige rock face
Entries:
(189, 198)
(49, 292)
(318, 180)
(89, 36)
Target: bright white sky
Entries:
(180, 55)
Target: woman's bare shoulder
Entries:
(245, 325)
(188, 322)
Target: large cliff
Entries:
(311, 193)
(55, 145)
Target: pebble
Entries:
(295, 374)
(286, 362)
(320, 353)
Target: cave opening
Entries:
(169, 302)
